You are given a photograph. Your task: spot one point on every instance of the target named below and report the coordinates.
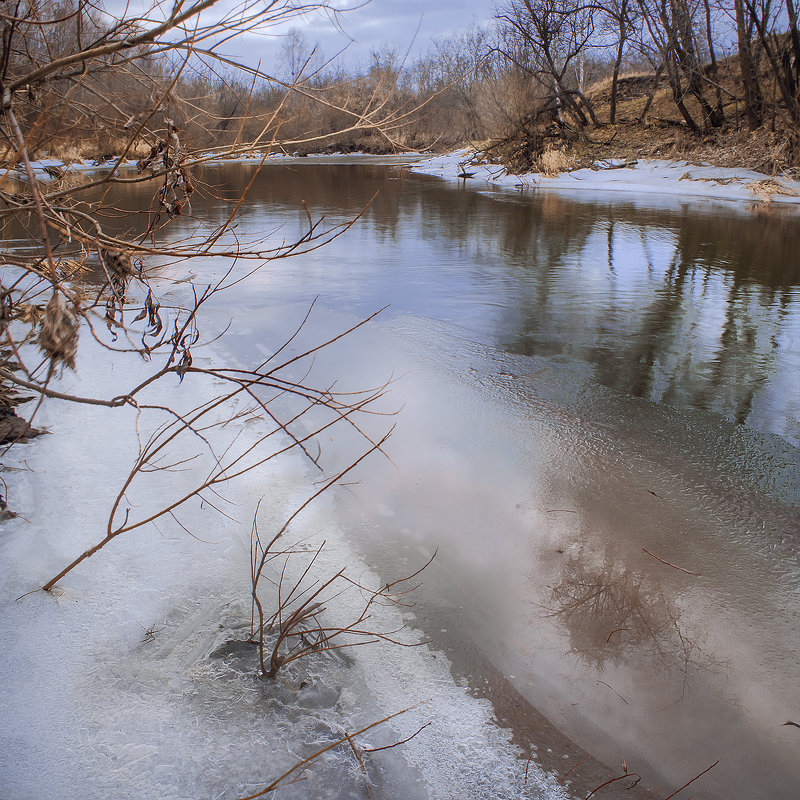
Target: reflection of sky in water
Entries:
(635, 297)
(688, 304)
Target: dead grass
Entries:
(661, 133)
(554, 162)
(91, 149)
(766, 189)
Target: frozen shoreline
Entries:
(112, 730)
(51, 168)
(111, 683)
(651, 177)
(669, 179)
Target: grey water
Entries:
(692, 304)
(599, 433)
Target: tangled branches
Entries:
(121, 80)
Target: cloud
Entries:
(361, 29)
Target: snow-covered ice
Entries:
(110, 686)
(651, 177)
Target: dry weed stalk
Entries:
(554, 162)
(291, 775)
(128, 81)
(261, 388)
(636, 778)
(295, 627)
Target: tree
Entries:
(672, 27)
(753, 102)
(296, 55)
(550, 38)
(75, 78)
(782, 51)
(619, 20)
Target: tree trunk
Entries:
(753, 102)
(794, 35)
(684, 48)
(653, 91)
(618, 62)
(713, 57)
(677, 95)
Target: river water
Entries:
(598, 429)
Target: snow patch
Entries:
(652, 177)
(127, 681)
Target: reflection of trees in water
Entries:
(697, 325)
(676, 306)
(612, 614)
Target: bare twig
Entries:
(699, 775)
(348, 737)
(680, 569)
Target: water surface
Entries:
(599, 434)
(694, 304)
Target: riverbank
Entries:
(650, 176)
(531, 479)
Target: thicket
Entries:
(723, 65)
(74, 80)
(72, 73)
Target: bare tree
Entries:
(296, 55)
(459, 71)
(619, 20)
(782, 51)
(670, 28)
(548, 38)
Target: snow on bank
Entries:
(45, 168)
(52, 168)
(652, 177)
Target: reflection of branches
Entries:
(611, 612)
(291, 775)
(635, 778)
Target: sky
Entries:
(401, 24)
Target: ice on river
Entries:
(122, 684)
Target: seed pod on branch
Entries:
(118, 262)
(58, 335)
(119, 268)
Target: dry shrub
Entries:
(67, 152)
(554, 162)
(104, 145)
(767, 188)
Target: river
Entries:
(599, 435)
(597, 430)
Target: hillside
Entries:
(649, 125)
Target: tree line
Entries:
(719, 60)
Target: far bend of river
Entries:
(600, 435)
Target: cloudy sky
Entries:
(374, 24)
